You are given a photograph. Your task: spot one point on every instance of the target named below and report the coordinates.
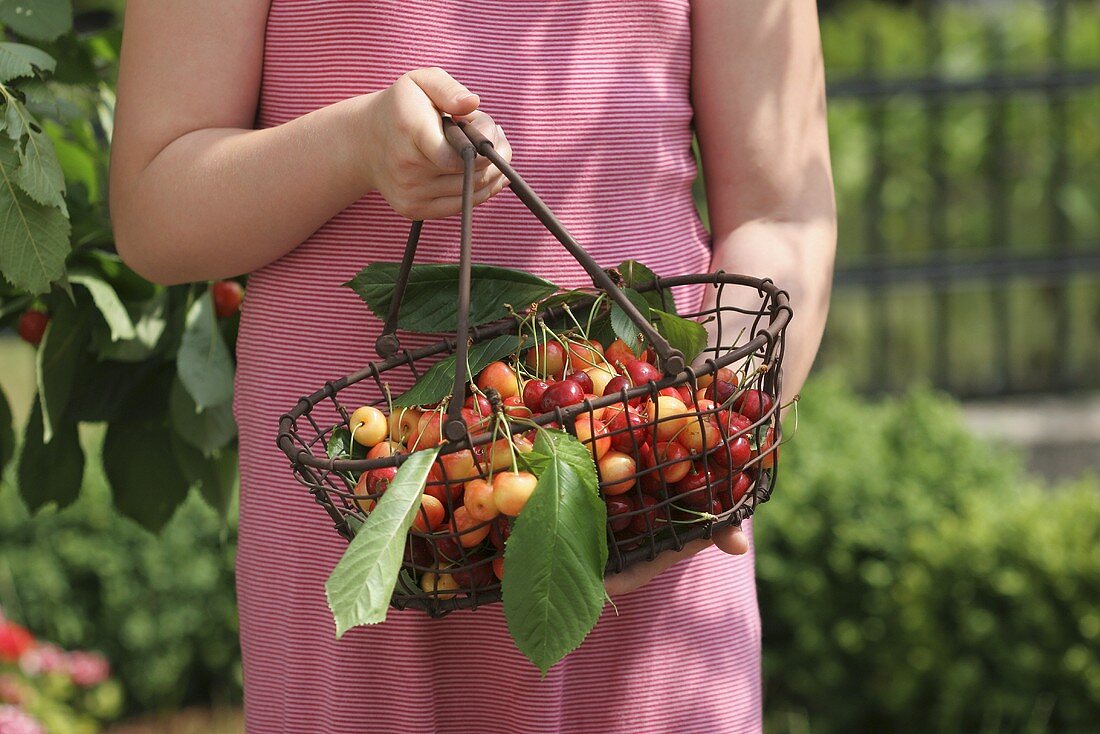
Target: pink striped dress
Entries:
(594, 97)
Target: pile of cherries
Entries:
(667, 456)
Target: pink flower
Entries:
(88, 668)
(16, 721)
(44, 658)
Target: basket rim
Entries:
(780, 316)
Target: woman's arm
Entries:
(197, 194)
(758, 91)
(758, 85)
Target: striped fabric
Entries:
(594, 97)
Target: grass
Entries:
(189, 721)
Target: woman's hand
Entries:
(732, 540)
(409, 161)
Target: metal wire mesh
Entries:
(670, 497)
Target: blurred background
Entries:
(932, 559)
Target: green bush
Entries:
(162, 608)
(910, 581)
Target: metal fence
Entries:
(970, 253)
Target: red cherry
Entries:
(721, 390)
(479, 404)
(532, 394)
(515, 408)
(642, 372)
(615, 387)
(582, 379)
(735, 454)
(561, 395)
(638, 523)
(733, 422)
(694, 487)
(623, 426)
(619, 351)
(32, 325)
(753, 404)
(499, 531)
(733, 488)
(474, 423)
(547, 358)
(228, 295)
(617, 509)
(476, 576)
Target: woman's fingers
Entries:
(732, 540)
(449, 205)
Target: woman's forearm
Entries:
(220, 202)
(798, 256)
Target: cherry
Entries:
(497, 455)
(720, 391)
(670, 415)
(616, 385)
(429, 430)
(601, 377)
(449, 494)
(439, 585)
(478, 575)
(227, 295)
(672, 392)
(735, 454)
(733, 422)
(418, 552)
(32, 325)
(723, 373)
(584, 353)
(475, 423)
(515, 408)
(642, 372)
(404, 425)
(561, 395)
(646, 521)
(699, 435)
(733, 488)
(470, 531)
(617, 509)
(532, 394)
(369, 426)
(674, 460)
(694, 487)
(593, 434)
(547, 358)
(445, 546)
(582, 379)
(479, 404)
(385, 450)
(430, 515)
(770, 455)
(597, 413)
(499, 531)
(458, 466)
(511, 490)
(499, 377)
(617, 472)
(477, 498)
(753, 404)
(619, 351)
(627, 429)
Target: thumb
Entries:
(732, 540)
(445, 93)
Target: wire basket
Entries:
(667, 497)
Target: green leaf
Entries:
(637, 276)
(101, 390)
(39, 173)
(50, 472)
(624, 327)
(204, 363)
(107, 301)
(216, 475)
(7, 432)
(438, 382)
(553, 589)
(34, 239)
(17, 59)
(429, 302)
(146, 478)
(39, 20)
(340, 446)
(362, 583)
(690, 337)
(59, 357)
(206, 429)
(149, 325)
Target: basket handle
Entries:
(469, 142)
(672, 360)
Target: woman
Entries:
(294, 139)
